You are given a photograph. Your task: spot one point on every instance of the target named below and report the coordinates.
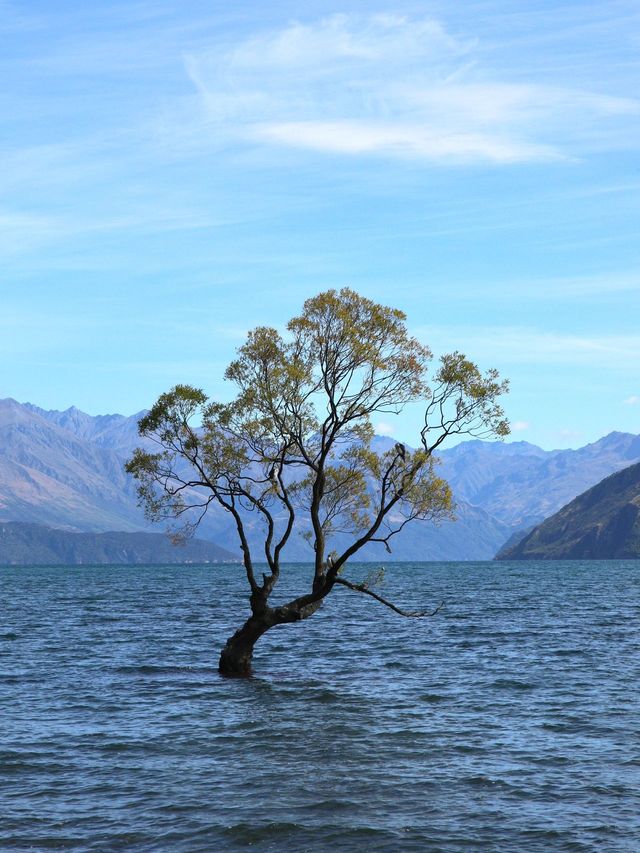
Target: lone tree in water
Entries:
(294, 447)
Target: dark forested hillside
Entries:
(35, 544)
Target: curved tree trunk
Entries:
(236, 656)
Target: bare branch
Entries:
(414, 614)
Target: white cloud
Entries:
(554, 288)
(346, 137)
(395, 86)
(373, 38)
(572, 287)
(633, 400)
(519, 426)
(382, 428)
(501, 345)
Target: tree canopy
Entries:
(295, 447)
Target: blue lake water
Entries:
(507, 722)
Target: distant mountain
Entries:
(521, 484)
(115, 432)
(35, 544)
(66, 469)
(602, 523)
(470, 537)
(50, 475)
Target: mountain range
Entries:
(521, 484)
(65, 469)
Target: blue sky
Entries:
(175, 173)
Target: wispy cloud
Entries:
(563, 288)
(521, 345)
(346, 137)
(24, 232)
(519, 426)
(395, 86)
(373, 38)
(633, 400)
(589, 285)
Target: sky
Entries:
(176, 173)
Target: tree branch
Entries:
(414, 614)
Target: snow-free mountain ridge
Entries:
(65, 469)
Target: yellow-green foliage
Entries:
(297, 437)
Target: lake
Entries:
(507, 722)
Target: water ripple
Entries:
(507, 723)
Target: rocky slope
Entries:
(603, 523)
(51, 475)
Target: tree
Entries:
(294, 447)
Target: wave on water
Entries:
(507, 727)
